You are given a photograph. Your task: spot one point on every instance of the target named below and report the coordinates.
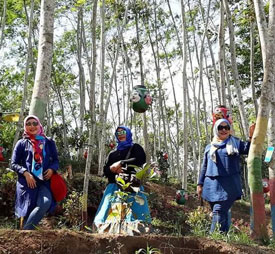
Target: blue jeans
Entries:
(43, 203)
(220, 211)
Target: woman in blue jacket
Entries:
(220, 179)
(35, 160)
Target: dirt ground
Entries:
(45, 240)
(69, 242)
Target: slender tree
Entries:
(185, 87)
(26, 76)
(3, 23)
(254, 161)
(44, 62)
(92, 74)
(235, 72)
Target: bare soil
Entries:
(45, 240)
(69, 242)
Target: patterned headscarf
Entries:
(38, 145)
(121, 145)
(41, 131)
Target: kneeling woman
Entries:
(113, 215)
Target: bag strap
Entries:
(129, 152)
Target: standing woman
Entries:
(220, 178)
(107, 220)
(35, 160)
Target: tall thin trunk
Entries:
(56, 88)
(176, 108)
(104, 107)
(3, 23)
(81, 79)
(145, 130)
(216, 78)
(262, 26)
(91, 142)
(102, 90)
(221, 94)
(26, 76)
(129, 79)
(252, 52)
(185, 87)
(266, 32)
(235, 73)
(254, 161)
(44, 62)
(206, 19)
(155, 51)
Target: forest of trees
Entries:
(191, 54)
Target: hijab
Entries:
(40, 132)
(230, 142)
(121, 145)
(38, 147)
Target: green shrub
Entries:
(7, 192)
(148, 250)
(73, 210)
(199, 221)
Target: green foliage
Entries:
(238, 234)
(73, 209)
(6, 138)
(163, 166)
(199, 221)
(7, 191)
(148, 250)
(96, 187)
(162, 224)
(144, 173)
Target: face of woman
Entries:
(121, 134)
(32, 127)
(223, 131)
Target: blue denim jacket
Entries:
(221, 180)
(22, 161)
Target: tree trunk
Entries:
(255, 154)
(91, 142)
(267, 38)
(3, 23)
(252, 52)
(145, 131)
(235, 73)
(221, 56)
(44, 62)
(185, 87)
(101, 103)
(26, 76)
(177, 148)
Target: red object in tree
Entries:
(220, 113)
(165, 156)
(1, 154)
(265, 185)
(112, 145)
(85, 154)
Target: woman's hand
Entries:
(30, 180)
(199, 190)
(48, 174)
(116, 167)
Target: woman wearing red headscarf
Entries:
(35, 160)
